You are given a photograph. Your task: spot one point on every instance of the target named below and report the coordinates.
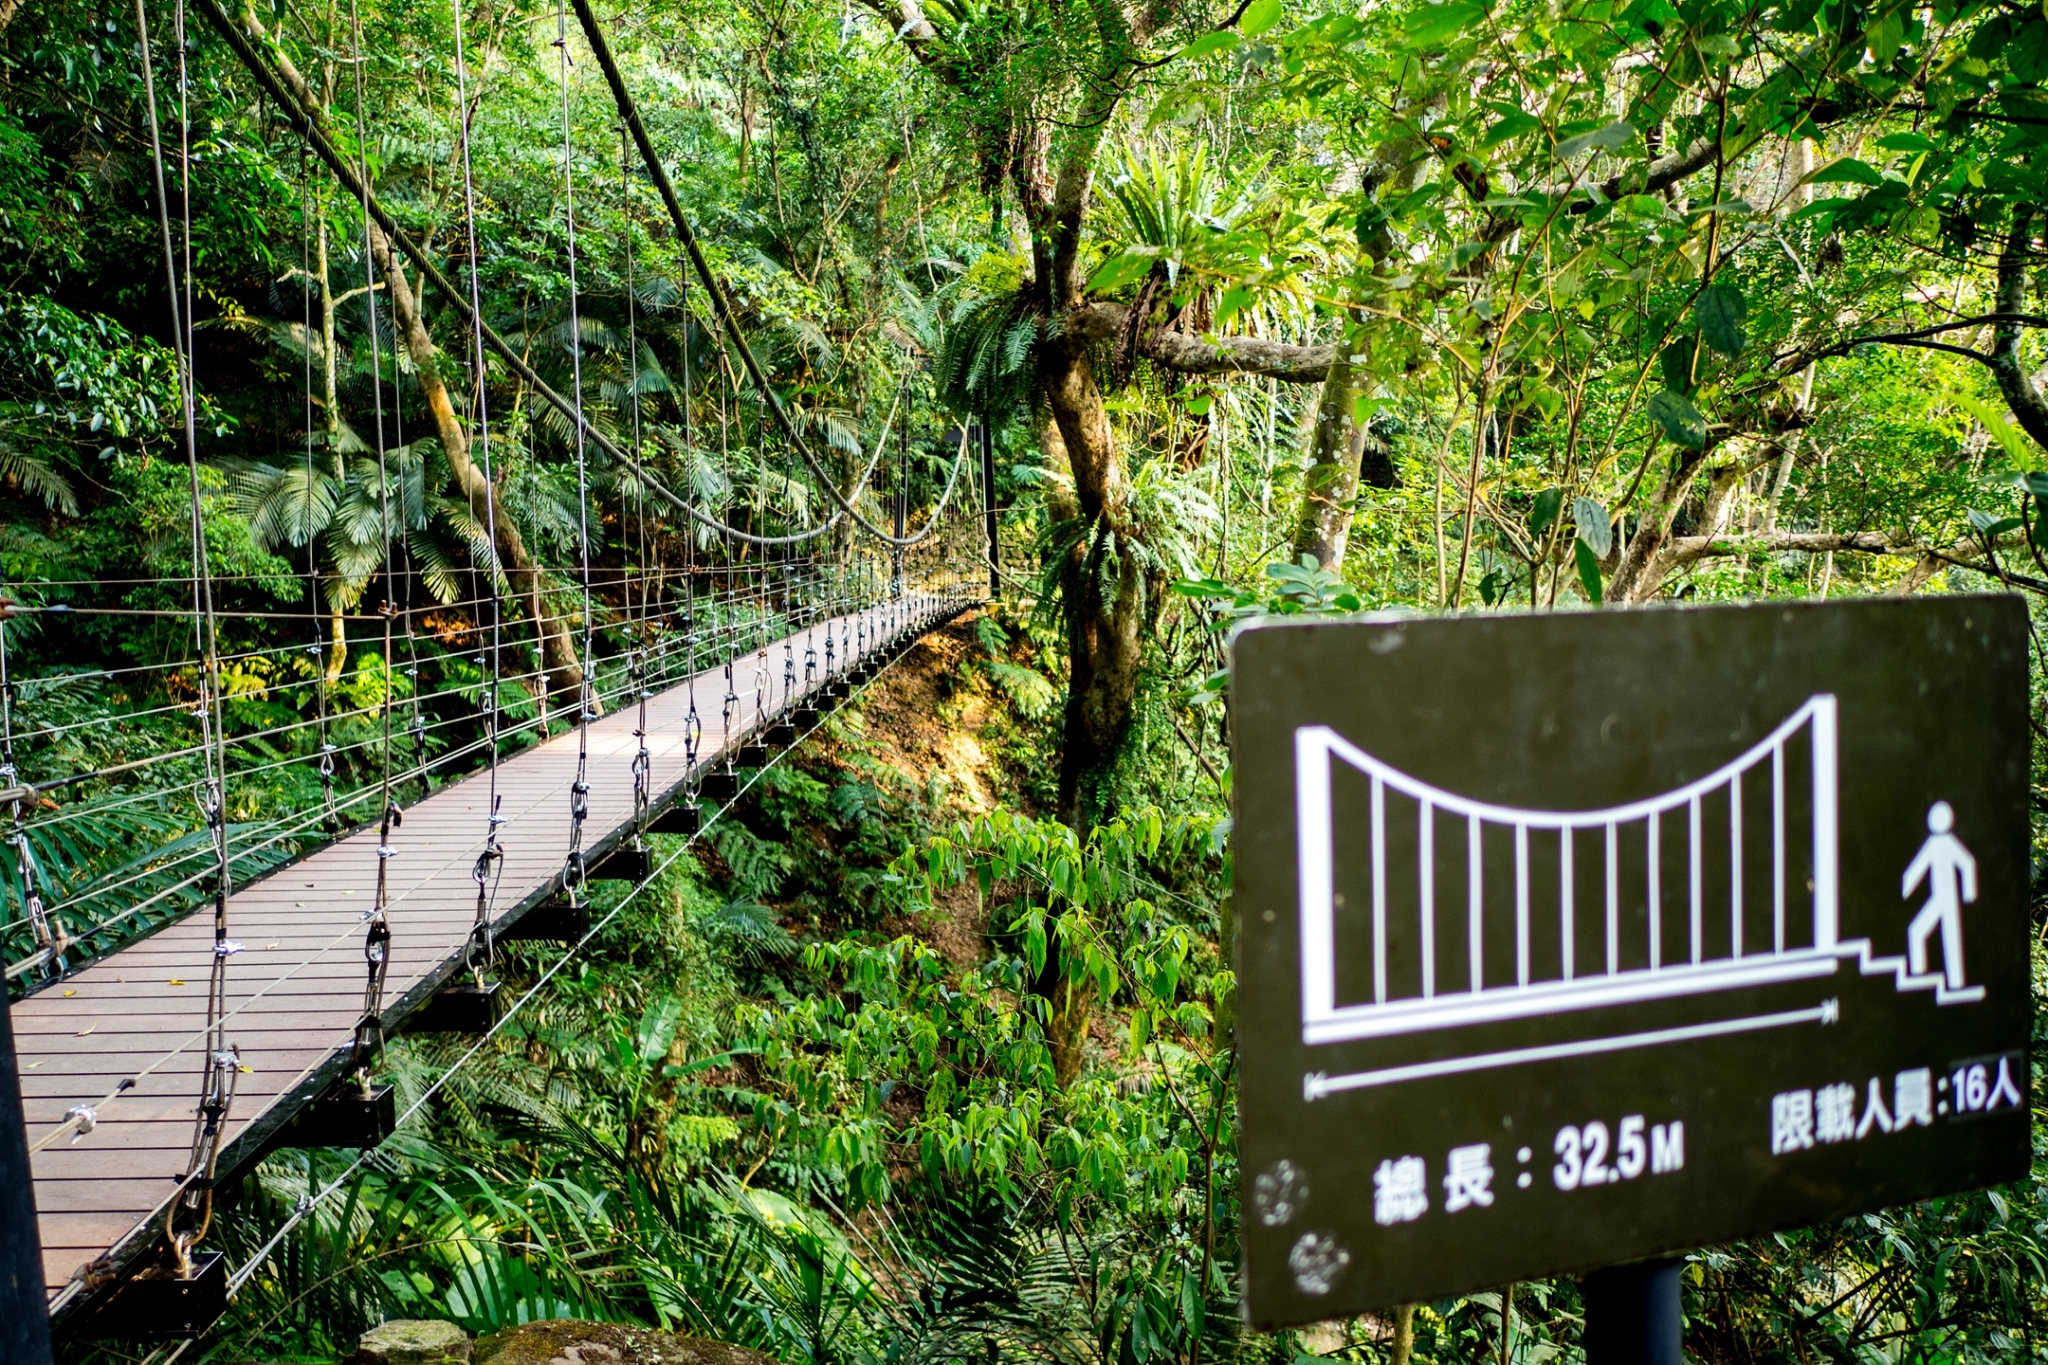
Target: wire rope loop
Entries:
(377, 945)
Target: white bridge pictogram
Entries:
(1689, 902)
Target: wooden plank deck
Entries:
(124, 1035)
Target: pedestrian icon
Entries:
(1950, 873)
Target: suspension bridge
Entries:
(112, 1056)
(163, 1050)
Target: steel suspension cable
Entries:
(315, 651)
(643, 758)
(600, 48)
(192, 1214)
(479, 955)
(311, 125)
(51, 939)
(369, 1035)
(579, 791)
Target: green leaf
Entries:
(1262, 15)
(1683, 425)
(2027, 53)
(1595, 530)
(2017, 447)
(1124, 268)
(1883, 38)
(1211, 42)
(1199, 406)
(1820, 208)
(1511, 125)
(1612, 138)
(1991, 525)
(1846, 171)
(1676, 362)
(1543, 515)
(1433, 24)
(1589, 569)
(1721, 311)
(1908, 142)
(1233, 301)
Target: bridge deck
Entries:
(295, 993)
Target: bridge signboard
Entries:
(1568, 940)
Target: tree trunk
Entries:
(558, 659)
(1634, 580)
(1343, 453)
(1404, 1335)
(2015, 384)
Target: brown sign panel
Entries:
(1567, 940)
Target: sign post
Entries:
(24, 1303)
(1574, 940)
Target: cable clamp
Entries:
(85, 1117)
(227, 947)
(386, 851)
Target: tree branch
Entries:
(1799, 360)
(1186, 354)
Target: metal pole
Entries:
(1632, 1315)
(24, 1304)
(988, 504)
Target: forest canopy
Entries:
(925, 1050)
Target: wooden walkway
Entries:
(295, 993)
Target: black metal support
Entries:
(344, 1117)
(24, 1305)
(684, 817)
(159, 1304)
(458, 1009)
(555, 921)
(988, 505)
(624, 864)
(1632, 1315)
(720, 784)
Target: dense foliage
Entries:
(924, 1051)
